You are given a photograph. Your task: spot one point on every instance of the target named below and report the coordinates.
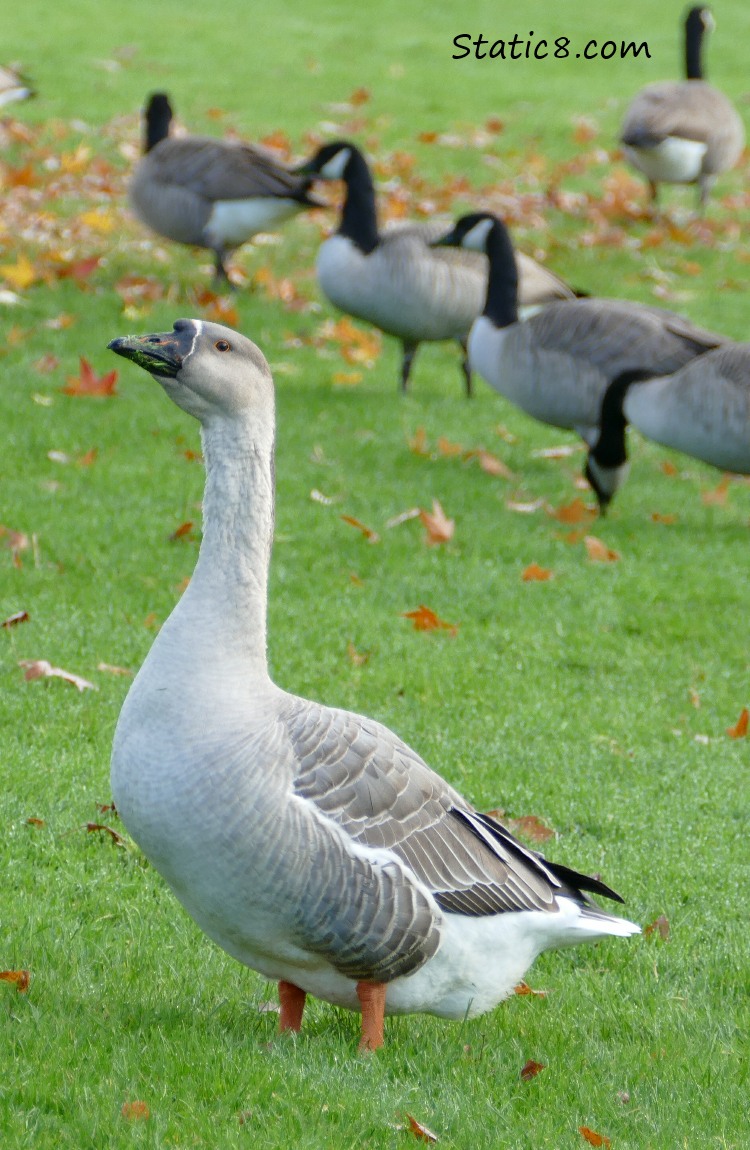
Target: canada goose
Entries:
(310, 843)
(557, 364)
(703, 410)
(210, 193)
(13, 86)
(684, 133)
(395, 279)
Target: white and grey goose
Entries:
(688, 132)
(702, 410)
(210, 193)
(310, 843)
(394, 279)
(557, 365)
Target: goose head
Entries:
(158, 118)
(607, 464)
(331, 162)
(484, 232)
(210, 371)
(472, 232)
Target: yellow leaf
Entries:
(99, 221)
(21, 274)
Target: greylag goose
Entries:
(312, 844)
(684, 133)
(210, 193)
(702, 410)
(557, 364)
(394, 279)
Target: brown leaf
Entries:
(536, 574)
(370, 536)
(41, 669)
(659, 926)
(575, 512)
(667, 520)
(531, 1069)
(88, 383)
(439, 528)
(87, 458)
(46, 363)
(360, 96)
(347, 378)
(358, 658)
(111, 669)
(34, 822)
(14, 620)
(593, 1138)
(739, 730)
(718, 496)
(426, 620)
(668, 467)
(117, 839)
(492, 465)
(598, 552)
(19, 978)
(419, 1131)
(181, 531)
(523, 988)
(445, 447)
(418, 442)
(135, 1111)
(16, 542)
(530, 827)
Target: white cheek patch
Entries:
(475, 240)
(334, 168)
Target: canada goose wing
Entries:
(692, 110)
(536, 283)
(219, 170)
(360, 775)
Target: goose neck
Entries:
(359, 219)
(158, 120)
(610, 447)
(501, 305)
(694, 32)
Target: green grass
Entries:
(569, 699)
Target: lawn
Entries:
(597, 700)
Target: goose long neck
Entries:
(610, 448)
(359, 217)
(158, 120)
(694, 31)
(238, 512)
(501, 305)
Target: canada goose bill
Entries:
(210, 193)
(684, 133)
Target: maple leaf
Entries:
(659, 926)
(370, 536)
(19, 978)
(531, 1069)
(87, 382)
(14, 620)
(80, 270)
(419, 1131)
(439, 528)
(593, 1138)
(598, 552)
(21, 274)
(536, 574)
(575, 512)
(135, 1111)
(739, 730)
(41, 669)
(523, 988)
(426, 620)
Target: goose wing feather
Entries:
(692, 110)
(221, 170)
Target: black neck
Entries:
(359, 218)
(610, 448)
(694, 29)
(158, 119)
(502, 285)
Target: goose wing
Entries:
(220, 170)
(692, 110)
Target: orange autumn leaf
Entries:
(717, 497)
(418, 442)
(19, 978)
(21, 274)
(16, 542)
(34, 822)
(135, 1111)
(598, 552)
(491, 465)
(88, 383)
(667, 520)
(531, 1069)
(659, 926)
(593, 1138)
(87, 458)
(42, 669)
(347, 378)
(530, 827)
(425, 619)
(739, 730)
(117, 839)
(181, 531)
(420, 1131)
(360, 96)
(536, 574)
(523, 988)
(14, 620)
(370, 535)
(439, 528)
(445, 447)
(575, 512)
(668, 467)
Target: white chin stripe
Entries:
(476, 239)
(334, 168)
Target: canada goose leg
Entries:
(221, 275)
(371, 997)
(292, 1003)
(466, 368)
(705, 183)
(410, 350)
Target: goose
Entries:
(557, 364)
(13, 86)
(394, 279)
(210, 193)
(684, 133)
(311, 843)
(702, 410)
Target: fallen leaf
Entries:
(523, 988)
(667, 520)
(403, 517)
(360, 96)
(135, 1111)
(21, 274)
(87, 458)
(530, 827)
(370, 536)
(347, 378)
(16, 542)
(593, 1138)
(571, 537)
(41, 669)
(151, 621)
(111, 669)
(87, 383)
(717, 497)
(668, 467)
(536, 574)
(418, 442)
(426, 620)
(117, 839)
(445, 447)
(19, 978)
(739, 730)
(14, 620)
(419, 1131)
(659, 926)
(531, 1069)
(358, 658)
(46, 363)
(575, 512)
(490, 463)
(598, 552)
(99, 220)
(34, 822)
(319, 497)
(695, 698)
(181, 531)
(439, 528)
(561, 452)
(522, 507)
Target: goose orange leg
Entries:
(371, 997)
(292, 1002)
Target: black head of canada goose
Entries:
(210, 193)
(557, 365)
(702, 410)
(684, 133)
(394, 279)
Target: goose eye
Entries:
(222, 345)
